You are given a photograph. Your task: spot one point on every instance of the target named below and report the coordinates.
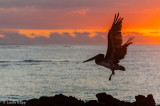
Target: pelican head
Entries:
(97, 58)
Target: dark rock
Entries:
(107, 100)
(103, 97)
(57, 100)
(91, 103)
(144, 101)
(62, 100)
(69, 101)
(32, 102)
(151, 100)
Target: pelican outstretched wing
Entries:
(116, 51)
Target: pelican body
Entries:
(116, 50)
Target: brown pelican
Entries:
(116, 50)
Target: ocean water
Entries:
(32, 71)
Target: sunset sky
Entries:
(77, 21)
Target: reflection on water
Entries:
(32, 71)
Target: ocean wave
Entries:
(66, 46)
(32, 62)
(36, 61)
(45, 61)
(5, 61)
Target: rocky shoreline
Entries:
(103, 99)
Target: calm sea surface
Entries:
(32, 71)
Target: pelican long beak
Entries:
(93, 58)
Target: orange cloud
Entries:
(145, 36)
(2, 36)
(35, 33)
(144, 32)
(46, 33)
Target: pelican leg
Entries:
(111, 75)
(113, 72)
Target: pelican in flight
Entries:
(116, 50)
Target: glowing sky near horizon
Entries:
(42, 19)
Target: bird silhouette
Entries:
(116, 50)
